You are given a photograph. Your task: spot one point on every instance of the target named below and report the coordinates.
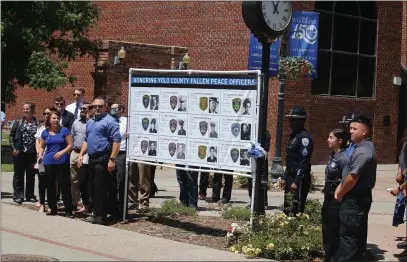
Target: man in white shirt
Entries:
(75, 107)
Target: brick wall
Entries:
(404, 35)
(217, 39)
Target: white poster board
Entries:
(193, 118)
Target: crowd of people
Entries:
(79, 153)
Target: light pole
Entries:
(277, 169)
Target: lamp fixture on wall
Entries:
(186, 59)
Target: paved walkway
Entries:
(91, 242)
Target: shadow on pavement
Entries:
(374, 253)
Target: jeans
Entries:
(188, 183)
(24, 165)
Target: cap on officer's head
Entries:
(213, 124)
(297, 112)
(181, 122)
(215, 99)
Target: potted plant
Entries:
(295, 67)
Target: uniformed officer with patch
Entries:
(355, 192)
(338, 142)
(297, 176)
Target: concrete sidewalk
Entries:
(29, 232)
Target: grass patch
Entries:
(236, 213)
(7, 168)
(4, 139)
(171, 208)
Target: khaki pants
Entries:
(75, 186)
(140, 173)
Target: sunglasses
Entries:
(98, 106)
(59, 104)
(46, 113)
(76, 94)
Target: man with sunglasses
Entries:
(79, 174)
(67, 117)
(75, 107)
(102, 143)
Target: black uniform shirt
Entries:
(336, 164)
(298, 154)
(362, 162)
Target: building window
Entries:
(347, 49)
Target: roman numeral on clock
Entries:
(285, 19)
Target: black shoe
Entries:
(32, 199)
(98, 221)
(69, 215)
(18, 201)
(211, 200)
(132, 206)
(225, 201)
(88, 219)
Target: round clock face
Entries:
(276, 14)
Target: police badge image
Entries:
(204, 102)
(173, 124)
(173, 100)
(237, 102)
(139, 146)
(142, 99)
(202, 152)
(203, 126)
(230, 128)
(169, 149)
(234, 155)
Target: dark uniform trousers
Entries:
(102, 182)
(188, 183)
(204, 181)
(330, 222)
(299, 196)
(353, 217)
(217, 184)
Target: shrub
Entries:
(236, 213)
(171, 208)
(281, 237)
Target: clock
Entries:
(267, 19)
(276, 14)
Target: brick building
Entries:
(362, 48)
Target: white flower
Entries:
(270, 246)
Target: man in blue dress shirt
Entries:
(102, 143)
(346, 120)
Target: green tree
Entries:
(37, 40)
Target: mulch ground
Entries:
(197, 230)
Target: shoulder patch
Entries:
(305, 141)
(304, 152)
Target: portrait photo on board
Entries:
(181, 131)
(182, 103)
(247, 104)
(213, 105)
(154, 102)
(152, 150)
(213, 133)
(244, 158)
(212, 154)
(245, 131)
(181, 151)
(153, 126)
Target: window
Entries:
(347, 49)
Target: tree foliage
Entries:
(37, 40)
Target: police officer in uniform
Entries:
(337, 141)
(297, 177)
(355, 192)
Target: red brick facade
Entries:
(218, 39)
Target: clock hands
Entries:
(275, 11)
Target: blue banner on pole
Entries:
(303, 40)
(255, 54)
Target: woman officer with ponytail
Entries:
(337, 141)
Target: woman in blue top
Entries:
(337, 141)
(58, 143)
